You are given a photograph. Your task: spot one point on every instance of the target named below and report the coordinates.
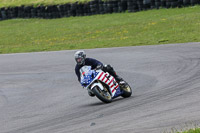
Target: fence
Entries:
(90, 8)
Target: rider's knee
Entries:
(108, 67)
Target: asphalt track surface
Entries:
(39, 92)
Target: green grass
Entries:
(111, 30)
(14, 3)
(195, 130)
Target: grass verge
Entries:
(195, 130)
(178, 25)
(14, 3)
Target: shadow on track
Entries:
(115, 101)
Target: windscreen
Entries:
(85, 73)
(85, 70)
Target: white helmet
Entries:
(80, 57)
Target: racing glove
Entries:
(99, 67)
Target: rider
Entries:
(81, 60)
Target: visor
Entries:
(80, 61)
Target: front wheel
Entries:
(103, 95)
(127, 91)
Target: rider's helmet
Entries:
(80, 57)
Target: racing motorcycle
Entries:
(103, 85)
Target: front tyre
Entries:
(104, 95)
(127, 91)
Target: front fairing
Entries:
(87, 75)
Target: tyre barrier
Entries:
(157, 4)
(132, 6)
(90, 8)
(163, 3)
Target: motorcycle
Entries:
(103, 85)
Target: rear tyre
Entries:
(104, 95)
(127, 91)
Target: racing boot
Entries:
(119, 80)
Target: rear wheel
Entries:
(103, 95)
(127, 91)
